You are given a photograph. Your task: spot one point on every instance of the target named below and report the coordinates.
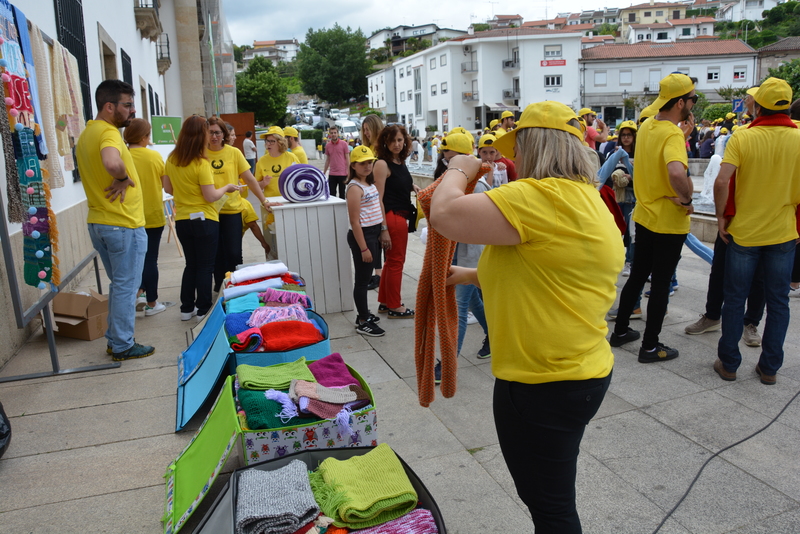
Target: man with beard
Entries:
(116, 213)
(663, 192)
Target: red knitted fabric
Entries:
(436, 304)
(281, 336)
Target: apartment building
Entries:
(671, 30)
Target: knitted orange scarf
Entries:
(436, 303)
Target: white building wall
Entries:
(748, 10)
(382, 91)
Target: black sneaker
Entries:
(661, 353)
(136, 351)
(619, 340)
(374, 282)
(374, 318)
(368, 328)
(485, 352)
(437, 373)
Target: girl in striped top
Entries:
(366, 220)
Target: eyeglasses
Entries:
(215, 133)
(128, 105)
(692, 98)
(270, 141)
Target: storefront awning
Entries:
(501, 107)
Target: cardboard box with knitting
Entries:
(190, 476)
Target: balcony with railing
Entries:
(652, 87)
(510, 94)
(147, 18)
(469, 66)
(510, 64)
(163, 60)
(471, 96)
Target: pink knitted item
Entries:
(419, 521)
(264, 315)
(288, 297)
(332, 372)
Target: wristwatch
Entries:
(687, 203)
(384, 227)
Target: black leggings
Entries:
(796, 269)
(539, 428)
(363, 270)
(150, 271)
(229, 247)
(335, 181)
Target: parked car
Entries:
(347, 129)
(304, 126)
(322, 125)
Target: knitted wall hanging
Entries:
(436, 304)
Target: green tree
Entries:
(607, 29)
(238, 54)
(481, 27)
(261, 90)
(702, 103)
(790, 72)
(716, 111)
(332, 65)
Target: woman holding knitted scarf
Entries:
(553, 231)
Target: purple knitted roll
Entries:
(303, 183)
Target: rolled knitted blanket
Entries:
(363, 491)
(418, 521)
(275, 502)
(264, 414)
(278, 376)
(237, 291)
(236, 323)
(258, 271)
(245, 303)
(313, 390)
(303, 183)
(248, 341)
(288, 297)
(332, 372)
(281, 336)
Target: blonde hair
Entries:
(371, 128)
(283, 145)
(549, 153)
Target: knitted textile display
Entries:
(269, 314)
(288, 297)
(278, 376)
(281, 336)
(418, 521)
(275, 502)
(262, 270)
(303, 183)
(48, 116)
(248, 341)
(313, 390)
(363, 491)
(245, 303)
(332, 372)
(237, 291)
(436, 304)
(236, 323)
(264, 414)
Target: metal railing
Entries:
(510, 93)
(148, 4)
(162, 47)
(652, 87)
(510, 64)
(470, 96)
(469, 66)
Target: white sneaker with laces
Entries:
(141, 303)
(185, 316)
(158, 308)
(626, 271)
(471, 319)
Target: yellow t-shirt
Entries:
(559, 279)
(129, 214)
(767, 163)
(186, 182)
(150, 167)
(657, 144)
(248, 215)
(226, 166)
(501, 130)
(300, 153)
(269, 166)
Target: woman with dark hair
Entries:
(150, 168)
(622, 183)
(395, 185)
(191, 182)
(707, 145)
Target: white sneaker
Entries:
(188, 315)
(626, 271)
(794, 292)
(158, 308)
(471, 318)
(141, 302)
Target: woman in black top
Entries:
(395, 184)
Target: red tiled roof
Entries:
(697, 20)
(678, 49)
(574, 16)
(706, 37)
(652, 26)
(581, 27)
(513, 31)
(657, 4)
(597, 39)
(507, 17)
(787, 43)
(534, 23)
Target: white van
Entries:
(347, 129)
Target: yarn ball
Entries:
(303, 183)
(32, 209)
(3, 63)
(30, 190)
(35, 234)
(42, 285)
(19, 126)
(9, 101)
(2, 40)
(13, 112)
(34, 220)
(42, 275)
(29, 173)
(5, 77)
(39, 254)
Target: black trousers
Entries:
(756, 301)
(655, 255)
(335, 181)
(539, 428)
(363, 271)
(796, 268)
(150, 271)
(199, 242)
(229, 246)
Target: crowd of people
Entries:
(562, 206)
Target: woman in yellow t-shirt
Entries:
(553, 231)
(268, 169)
(150, 168)
(190, 181)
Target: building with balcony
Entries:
(397, 37)
(650, 13)
(612, 73)
(499, 22)
(275, 51)
(738, 10)
(671, 30)
(381, 92)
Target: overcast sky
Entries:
(250, 20)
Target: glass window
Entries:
(402, 97)
(739, 74)
(408, 70)
(417, 79)
(409, 94)
(599, 77)
(625, 77)
(713, 74)
(402, 72)
(552, 81)
(443, 87)
(433, 63)
(442, 60)
(648, 14)
(661, 36)
(686, 31)
(418, 105)
(659, 13)
(433, 90)
(552, 51)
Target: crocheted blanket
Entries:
(263, 413)
(278, 376)
(363, 491)
(282, 336)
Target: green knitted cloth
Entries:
(262, 413)
(275, 376)
(363, 491)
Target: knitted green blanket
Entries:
(262, 413)
(363, 491)
(275, 376)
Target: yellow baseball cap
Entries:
(361, 153)
(493, 123)
(458, 129)
(648, 112)
(487, 140)
(290, 132)
(730, 116)
(627, 124)
(735, 127)
(774, 93)
(458, 142)
(746, 116)
(752, 91)
(273, 130)
(586, 111)
(672, 86)
(723, 131)
(548, 114)
(506, 114)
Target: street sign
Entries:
(553, 62)
(738, 105)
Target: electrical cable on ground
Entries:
(697, 476)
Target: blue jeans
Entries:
(696, 246)
(740, 268)
(627, 211)
(122, 252)
(468, 298)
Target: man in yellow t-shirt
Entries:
(663, 192)
(293, 139)
(506, 122)
(116, 213)
(760, 224)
